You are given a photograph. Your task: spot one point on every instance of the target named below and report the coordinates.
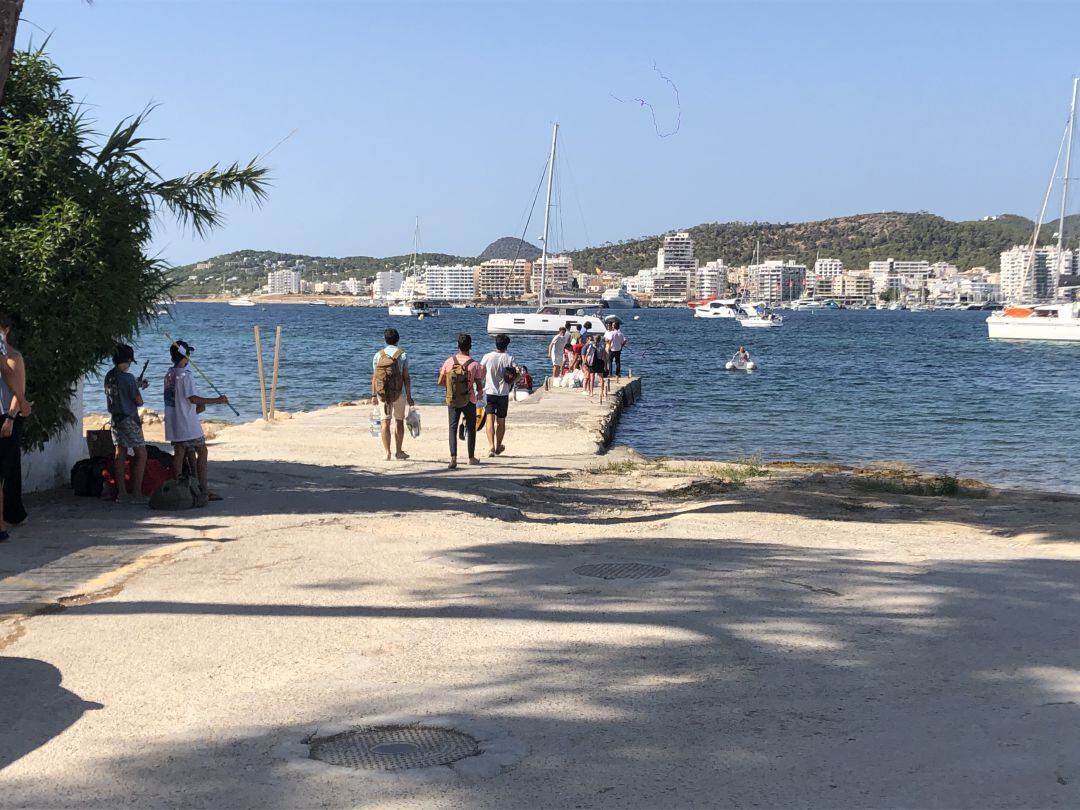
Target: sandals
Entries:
(453, 465)
(401, 455)
(500, 450)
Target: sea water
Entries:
(927, 388)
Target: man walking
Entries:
(500, 374)
(391, 386)
(463, 379)
(555, 351)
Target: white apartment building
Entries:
(500, 279)
(828, 268)
(672, 286)
(1024, 278)
(711, 279)
(283, 282)
(560, 269)
(944, 270)
(640, 283)
(677, 252)
(352, 286)
(387, 284)
(775, 281)
(894, 275)
(450, 283)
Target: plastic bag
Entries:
(412, 422)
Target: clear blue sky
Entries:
(790, 111)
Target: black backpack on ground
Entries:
(86, 478)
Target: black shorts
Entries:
(498, 405)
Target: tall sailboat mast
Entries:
(547, 216)
(1065, 192)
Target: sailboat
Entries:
(1052, 320)
(414, 307)
(549, 316)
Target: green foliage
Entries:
(75, 225)
(856, 240)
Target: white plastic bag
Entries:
(412, 422)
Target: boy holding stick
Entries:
(183, 404)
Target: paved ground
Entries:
(813, 645)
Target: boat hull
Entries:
(535, 323)
(705, 312)
(1001, 327)
(761, 323)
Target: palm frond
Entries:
(195, 199)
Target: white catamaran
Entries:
(549, 315)
(1025, 318)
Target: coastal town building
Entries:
(641, 284)
(450, 283)
(352, 286)
(828, 268)
(943, 270)
(387, 283)
(898, 276)
(560, 269)
(711, 279)
(677, 252)
(501, 279)
(775, 281)
(1027, 277)
(672, 286)
(283, 282)
(857, 285)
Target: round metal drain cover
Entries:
(621, 571)
(394, 748)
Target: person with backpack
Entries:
(463, 379)
(500, 374)
(123, 400)
(391, 386)
(591, 362)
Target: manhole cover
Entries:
(393, 748)
(621, 571)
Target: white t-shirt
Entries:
(495, 363)
(181, 419)
(616, 340)
(557, 347)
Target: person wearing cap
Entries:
(183, 404)
(123, 401)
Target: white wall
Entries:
(51, 466)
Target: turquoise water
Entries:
(927, 388)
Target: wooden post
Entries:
(273, 378)
(262, 375)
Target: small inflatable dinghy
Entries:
(739, 365)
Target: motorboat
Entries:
(808, 303)
(413, 309)
(1041, 322)
(547, 319)
(717, 308)
(758, 317)
(619, 298)
(736, 363)
(242, 301)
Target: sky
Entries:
(787, 111)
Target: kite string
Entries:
(652, 110)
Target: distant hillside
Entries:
(856, 240)
(244, 271)
(510, 247)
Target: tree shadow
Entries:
(34, 707)
(754, 674)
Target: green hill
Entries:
(856, 240)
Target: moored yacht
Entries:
(619, 298)
(717, 308)
(413, 309)
(1040, 322)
